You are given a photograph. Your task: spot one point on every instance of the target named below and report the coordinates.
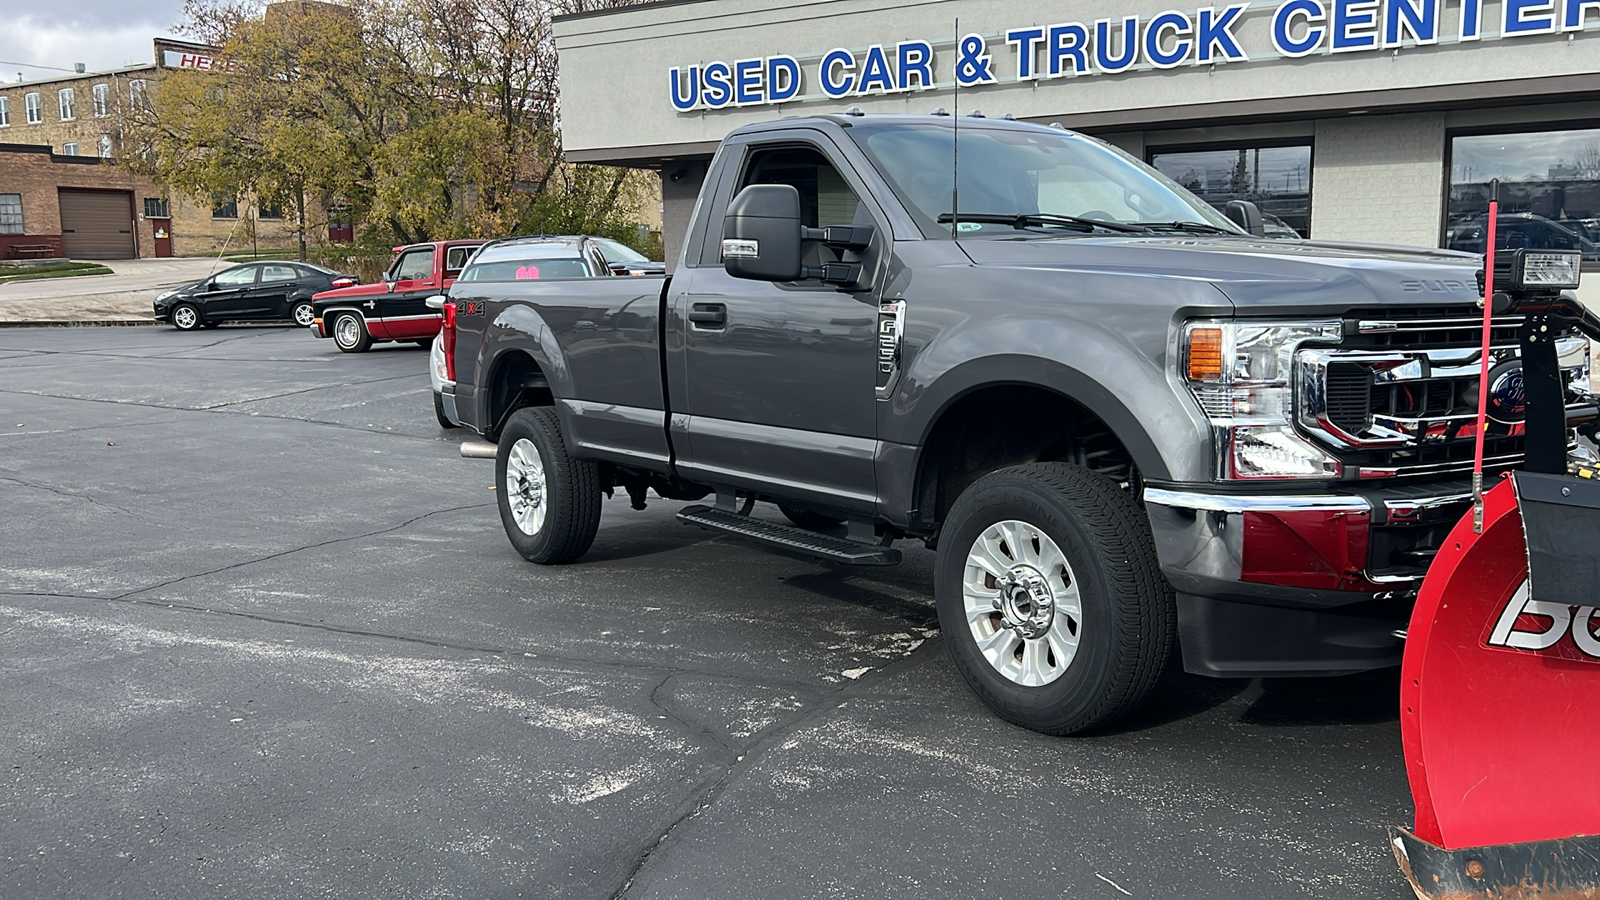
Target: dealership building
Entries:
(1366, 120)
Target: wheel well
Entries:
(1009, 425)
(514, 382)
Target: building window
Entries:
(5, 113)
(1275, 177)
(157, 208)
(10, 213)
(102, 101)
(66, 103)
(1549, 191)
(225, 208)
(105, 146)
(268, 211)
(69, 149)
(136, 92)
(34, 111)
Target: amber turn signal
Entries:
(1205, 354)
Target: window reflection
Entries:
(1549, 191)
(1277, 179)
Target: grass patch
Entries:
(9, 274)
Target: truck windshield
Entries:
(1022, 180)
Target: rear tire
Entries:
(549, 502)
(350, 333)
(438, 412)
(1051, 598)
(303, 314)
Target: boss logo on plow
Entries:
(1529, 624)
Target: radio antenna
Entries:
(955, 141)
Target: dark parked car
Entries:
(271, 290)
(625, 260)
(1514, 230)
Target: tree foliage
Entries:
(430, 118)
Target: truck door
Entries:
(777, 379)
(402, 312)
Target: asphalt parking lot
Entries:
(261, 636)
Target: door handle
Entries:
(709, 315)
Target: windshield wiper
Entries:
(1025, 220)
(1192, 227)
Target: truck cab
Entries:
(393, 308)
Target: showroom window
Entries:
(10, 213)
(1549, 191)
(1275, 177)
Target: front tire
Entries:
(1051, 598)
(303, 314)
(350, 333)
(185, 317)
(549, 502)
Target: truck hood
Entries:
(1258, 276)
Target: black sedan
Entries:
(270, 290)
(625, 260)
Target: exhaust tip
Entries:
(478, 450)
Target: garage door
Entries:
(97, 224)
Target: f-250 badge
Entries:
(891, 323)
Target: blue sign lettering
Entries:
(1528, 17)
(1420, 22)
(783, 78)
(1215, 34)
(747, 82)
(681, 100)
(1575, 11)
(719, 85)
(1025, 40)
(1291, 14)
(835, 63)
(973, 65)
(875, 75)
(1067, 46)
(914, 58)
(1129, 53)
(1471, 20)
(1175, 24)
(1355, 25)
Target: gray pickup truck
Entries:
(1120, 418)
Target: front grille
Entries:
(1400, 397)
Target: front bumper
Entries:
(317, 329)
(1298, 584)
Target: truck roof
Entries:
(848, 119)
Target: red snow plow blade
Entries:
(1500, 701)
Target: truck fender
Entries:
(519, 329)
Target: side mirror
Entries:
(211, 285)
(1247, 216)
(618, 268)
(761, 234)
(436, 302)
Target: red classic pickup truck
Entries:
(393, 308)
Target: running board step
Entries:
(795, 540)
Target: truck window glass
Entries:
(416, 265)
(455, 259)
(1009, 171)
(825, 197)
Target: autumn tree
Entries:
(433, 118)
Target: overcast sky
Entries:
(102, 34)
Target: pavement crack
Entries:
(76, 496)
(753, 754)
(320, 387)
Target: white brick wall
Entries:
(1379, 178)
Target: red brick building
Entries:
(77, 206)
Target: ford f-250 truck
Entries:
(1120, 419)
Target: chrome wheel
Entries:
(525, 486)
(185, 318)
(304, 314)
(1022, 603)
(347, 332)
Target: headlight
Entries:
(1240, 372)
(164, 295)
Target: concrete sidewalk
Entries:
(123, 297)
